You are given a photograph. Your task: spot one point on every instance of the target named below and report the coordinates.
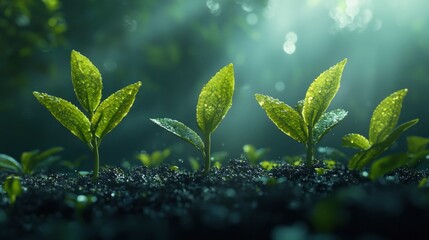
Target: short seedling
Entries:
(12, 187)
(382, 134)
(308, 122)
(30, 161)
(101, 117)
(213, 103)
(253, 155)
(155, 159)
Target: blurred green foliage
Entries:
(27, 27)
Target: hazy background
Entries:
(278, 47)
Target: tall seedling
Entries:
(213, 103)
(308, 122)
(101, 117)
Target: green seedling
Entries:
(214, 102)
(308, 122)
(382, 134)
(194, 163)
(269, 165)
(154, 159)
(295, 160)
(30, 161)
(253, 155)
(416, 152)
(101, 117)
(12, 187)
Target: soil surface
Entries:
(237, 201)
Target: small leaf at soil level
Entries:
(355, 140)
(286, 118)
(386, 164)
(321, 92)
(215, 100)
(113, 109)
(8, 163)
(361, 159)
(417, 144)
(67, 114)
(385, 116)
(181, 130)
(86, 81)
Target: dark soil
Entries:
(238, 201)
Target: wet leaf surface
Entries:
(86, 81)
(286, 118)
(113, 109)
(68, 115)
(215, 99)
(181, 130)
(385, 116)
(321, 92)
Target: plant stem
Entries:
(96, 158)
(310, 147)
(207, 143)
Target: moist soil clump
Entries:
(236, 201)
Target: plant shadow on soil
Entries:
(237, 200)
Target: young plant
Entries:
(101, 117)
(253, 155)
(308, 122)
(382, 134)
(12, 187)
(213, 103)
(30, 161)
(416, 152)
(155, 159)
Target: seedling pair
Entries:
(101, 118)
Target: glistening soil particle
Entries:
(236, 201)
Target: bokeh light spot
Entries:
(280, 86)
(214, 7)
(252, 19)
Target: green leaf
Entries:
(68, 115)
(321, 92)
(215, 100)
(155, 159)
(327, 122)
(355, 140)
(181, 130)
(12, 186)
(361, 159)
(26, 158)
(416, 144)
(286, 118)
(86, 81)
(387, 164)
(8, 163)
(385, 116)
(417, 158)
(113, 109)
(33, 160)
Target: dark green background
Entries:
(175, 46)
